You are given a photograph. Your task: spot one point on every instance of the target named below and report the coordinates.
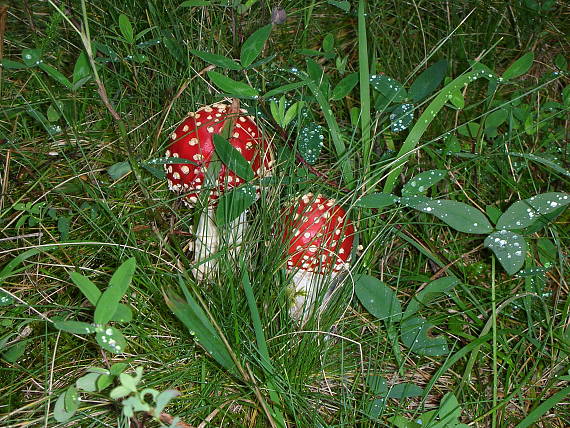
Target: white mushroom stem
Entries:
(208, 241)
(306, 290)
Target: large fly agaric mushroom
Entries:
(193, 140)
(319, 238)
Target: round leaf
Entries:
(428, 81)
(388, 87)
(377, 297)
(509, 248)
(401, 117)
(111, 340)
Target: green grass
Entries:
(507, 335)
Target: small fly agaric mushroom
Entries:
(320, 238)
(193, 140)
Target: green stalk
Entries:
(422, 124)
(364, 86)
(494, 328)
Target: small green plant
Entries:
(447, 416)
(132, 398)
(107, 308)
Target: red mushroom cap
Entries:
(193, 140)
(320, 235)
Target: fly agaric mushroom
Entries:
(193, 140)
(320, 238)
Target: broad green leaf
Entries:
(415, 334)
(111, 340)
(253, 46)
(401, 117)
(56, 75)
(460, 216)
(377, 297)
(343, 88)
(310, 142)
(89, 290)
(63, 227)
(31, 57)
(519, 67)
(15, 351)
(71, 402)
(59, 412)
(428, 81)
(344, 5)
(233, 159)
(377, 200)
(104, 381)
(193, 3)
(189, 312)
(420, 183)
(128, 382)
(81, 70)
(118, 368)
(496, 118)
(509, 248)
(391, 89)
(524, 213)
(163, 399)
(457, 99)
(123, 313)
(119, 170)
(547, 251)
(219, 60)
(234, 202)
(88, 382)
(405, 390)
(109, 300)
(377, 384)
(470, 129)
(126, 28)
(119, 392)
(7, 64)
(432, 291)
(5, 298)
(328, 43)
(75, 327)
(449, 411)
(231, 86)
(375, 407)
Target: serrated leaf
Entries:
(377, 200)
(253, 46)
(59, 412)
(420, 183)
(111, 340)
(163, 399)
(391, 89)
(233, 159)
(428, 81)
(219, 60)
(460, 216)
(71, 402)
(432, 291)
(109, 300)
(231, 86)
(87, 382)
(343, 88)
(415, 336)
(126, 28)
(119, 169)
(509, 248)
(75, 327)
(401, 117)
(524, 213)
(519, 67)
(88, 288)
(405, 390)
(31, 57)
(234, 202)
(378, 299)
(310, 142)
